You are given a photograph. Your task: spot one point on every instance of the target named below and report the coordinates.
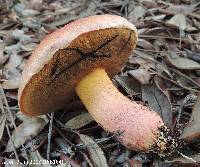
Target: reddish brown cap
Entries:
(68, 54)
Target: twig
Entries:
(186, 157)
(8, 131)
(8, 108)
(40, 140)
(154, 51)
(65, 147)
(167, 37)
(11, 116)
(192, 55)
(124, 5)
(63, 136)
(87, 159)
(185, 76)
(186, 99)
(191, 14)
(49, 135)
(180, 39)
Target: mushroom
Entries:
(79, 59)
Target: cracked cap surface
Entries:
(68, 54)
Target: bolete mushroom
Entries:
(80, 57)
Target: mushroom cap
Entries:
(68, 54)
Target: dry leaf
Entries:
(96, 153)
(30, 23)
(192, 129)
(178, 20)
(29, 47)
(193, 159)
(3, 58)
(23, 117)
(35, 4)
(19, 7)
(155, 18)
(145, 60)
(14, 61)
(144, 44)
(137, 13)
(24, 132)
(2, 124)
(176, 61)
(30, 12)
(130, 85)
(158, 101)
(149, 4)
(68, 160)
(20, 36)
(10, 69)
(11, 84)
(142, 75)
(79, 121)
(180, 9)
(2, 118)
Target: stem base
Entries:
(137, 124)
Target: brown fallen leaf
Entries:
(149, 4)
(69, 161)
(141, 75)
(178, 20)
(130, 85)
(30, 12)
(155, 18)
(158, 101)
(137, 13)
(144, 44)
(10, 84)
(11, 71)
(28, 129)
(180, 8)
(79, 121)
(3, 58)
(2, 124)
(19, 35)
(35, 4)
(29, 47)
(187, 161)
(143, 59)
(96, 153)
(23, 117)
(2, 118)
(174, 60)
(192, 129)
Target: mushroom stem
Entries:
(137, 124)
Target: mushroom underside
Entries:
(52, 87)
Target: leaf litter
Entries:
(163, 71)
